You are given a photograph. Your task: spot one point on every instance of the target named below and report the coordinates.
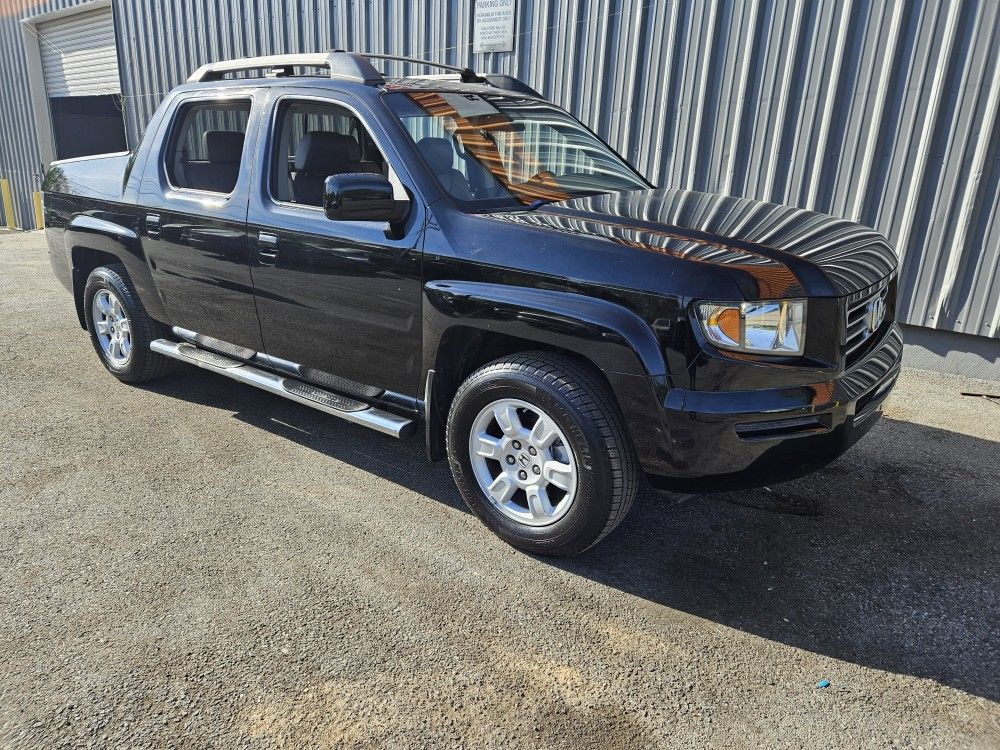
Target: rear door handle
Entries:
(153, 225)
(267, 248)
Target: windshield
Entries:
(501, 152)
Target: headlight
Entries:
(768, 327)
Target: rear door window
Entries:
(206, 150)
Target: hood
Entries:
(773, 250)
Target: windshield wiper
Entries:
(539, 202)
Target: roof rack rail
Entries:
(350, 66)
(468, 75)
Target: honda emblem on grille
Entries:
(874, 314)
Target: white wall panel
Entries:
(79, 54)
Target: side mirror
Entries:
(362, 197)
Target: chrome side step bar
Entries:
(326, 401)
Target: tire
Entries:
(112, 284)
(558, 396)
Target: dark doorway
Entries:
(86, 125)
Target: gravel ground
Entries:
(194, 563)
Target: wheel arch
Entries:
(92, 242)
(467, 324)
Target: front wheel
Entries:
(538, 450)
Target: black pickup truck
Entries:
(455, 256)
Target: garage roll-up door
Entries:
(79, 56)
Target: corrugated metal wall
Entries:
(883, 111)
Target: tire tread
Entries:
(593, 401)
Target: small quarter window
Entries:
(207, 148)
(313, 141)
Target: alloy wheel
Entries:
(523, 462)
(112, 327)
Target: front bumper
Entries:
(737, 439)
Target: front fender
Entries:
(613, 338)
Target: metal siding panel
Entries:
(885, 111)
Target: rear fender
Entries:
(88, 236)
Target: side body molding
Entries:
(614, 339)
(88, 233)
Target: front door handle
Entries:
(267, 248)
(153, 225)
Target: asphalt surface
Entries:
(194, 563)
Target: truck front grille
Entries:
(864, 312)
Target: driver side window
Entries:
(316, 140)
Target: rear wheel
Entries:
(538, 450)
(120, 329)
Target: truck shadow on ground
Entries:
(888, 558)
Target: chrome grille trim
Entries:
(855, 328)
